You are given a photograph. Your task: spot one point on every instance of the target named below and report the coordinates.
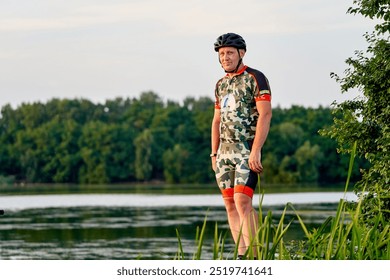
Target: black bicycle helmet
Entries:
(230, 40)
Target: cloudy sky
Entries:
(103, 49)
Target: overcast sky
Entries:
(103, 49)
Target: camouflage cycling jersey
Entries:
(236, 97)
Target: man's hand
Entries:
(255, 162)
(214, 163)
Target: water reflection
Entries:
(136, 224)
(96, 232)
(120, 232)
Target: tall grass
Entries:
(341, 237)
(345, 236)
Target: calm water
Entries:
(133, 224)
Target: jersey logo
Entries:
(228, 102)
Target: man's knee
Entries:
(243, 203)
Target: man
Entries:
(239, 129)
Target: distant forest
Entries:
(146, 139)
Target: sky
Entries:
(104, 49)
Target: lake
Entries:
(136, 222)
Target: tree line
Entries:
(146, 139)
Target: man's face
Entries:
(229, 57)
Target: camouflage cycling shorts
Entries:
(233, 173)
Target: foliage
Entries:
(142, 139)
(366, 119)
(295, 152)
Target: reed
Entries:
(342, 237)
(180, 253)
(345, 236)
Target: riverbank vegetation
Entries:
(146, 139)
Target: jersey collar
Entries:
(242, 70)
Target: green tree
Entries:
(168, 127)
(366, 120)
(287, 171)
(284, 139)
(291, 137)
(94, 146)
(143, 154)
(121, 157)
(175, 164)
(9, 126)
(25, 152)
(140, 112)
(308, 159)
(202, 111)
(56, 145)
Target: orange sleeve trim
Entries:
(244, 189)
(217, 105)
(263, 97)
